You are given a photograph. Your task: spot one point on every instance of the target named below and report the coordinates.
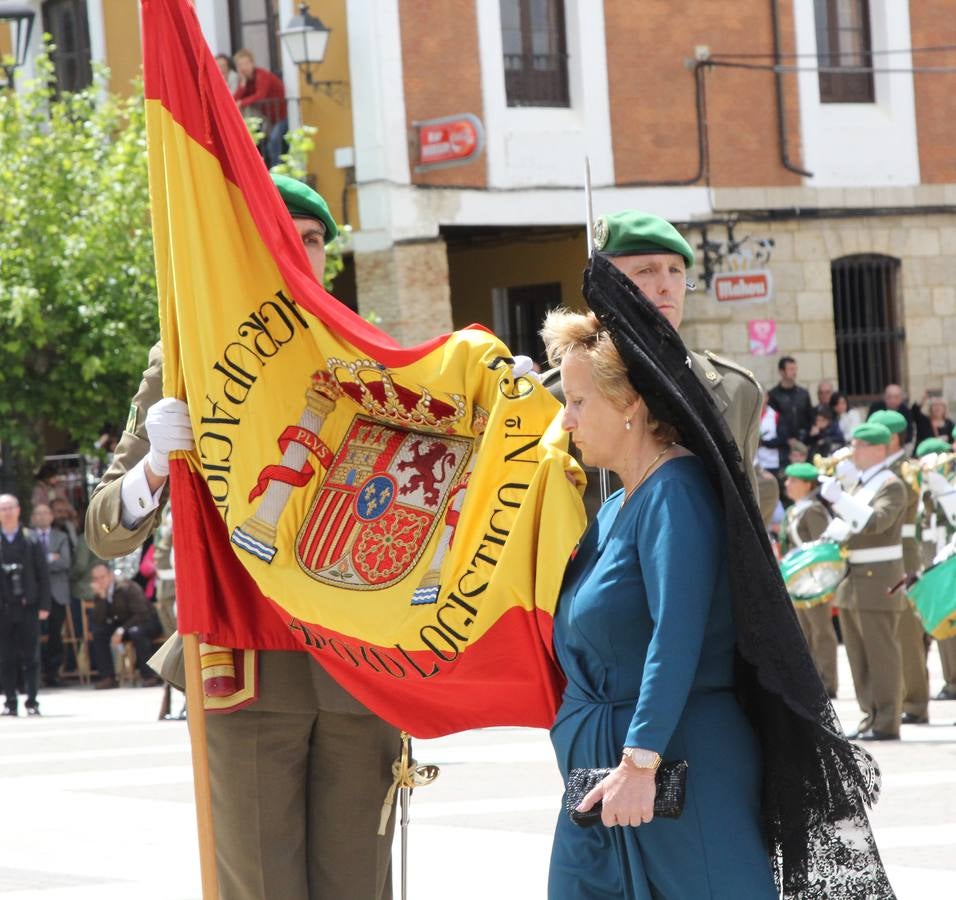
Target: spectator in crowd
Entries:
(935, 423)
(825, 435)
(165, 572)
(793, 404)
(846, 419)
(893, 399)
(24, 603)
(59, 556)
(228, 69)
(48, 488)
(799, 452)
(81, 588)
(262, 94)
(771, 440)
(121, 614)
(825, 391)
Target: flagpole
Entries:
(196, 715)
(603, 477)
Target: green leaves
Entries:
(77, 288)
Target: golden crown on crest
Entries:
(371, 386)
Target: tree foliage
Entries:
(77, 283)
(77, 286)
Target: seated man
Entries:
(121, 613)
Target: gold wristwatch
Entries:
(646, 760)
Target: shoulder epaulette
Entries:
(725, 363)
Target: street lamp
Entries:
(20, 17)
(305, 39)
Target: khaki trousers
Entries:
(292, 825)
(872, 645)
(915, 672)
(947, 655)
(822, 641)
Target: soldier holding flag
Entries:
(300, 771)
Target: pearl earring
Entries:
(627, 424)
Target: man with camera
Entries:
(24, 603)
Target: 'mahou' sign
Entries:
(755, 285)
(448, 141)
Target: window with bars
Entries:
(254, 25)
(519, 314)
(867, 317)
(67, 23)
(843, 42)
(535, 52)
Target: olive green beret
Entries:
(893, 420)
(630, 233)
(872, 433)
(304, 203)
(932, 445)
(804, 471)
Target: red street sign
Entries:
(756, 284)
(449, 141)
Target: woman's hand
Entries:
(627, 795)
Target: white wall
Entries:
(861, 144)
(547, 146)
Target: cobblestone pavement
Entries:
(97, 803)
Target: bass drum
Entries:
(813, 571)
(934, 598)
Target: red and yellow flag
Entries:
(401, 513)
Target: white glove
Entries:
(831, 490)
(846, 471)
(524, 365)
(837, 531)
(938, 485)
(169, 428)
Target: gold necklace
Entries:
(650, 466)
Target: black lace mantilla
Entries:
(817, 785)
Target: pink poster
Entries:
(763, 336)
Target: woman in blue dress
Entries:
(645, 635)
(678, 639)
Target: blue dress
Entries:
(644, 632)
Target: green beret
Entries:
(932, 445)
(304, 203)
(872, 433)
(631, 233)
(804, 471)
(893, 420)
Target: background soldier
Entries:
(300, 775)
(806, 520)
(655, 256)
(870, 519)
(912, 637)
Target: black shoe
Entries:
(9, 711)
(876, 736)
(913, 719)
(945, 694)
(33, 710)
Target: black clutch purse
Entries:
(671, 780)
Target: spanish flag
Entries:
(401, 513)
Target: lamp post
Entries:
(20, 16)
(306, 38)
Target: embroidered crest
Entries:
(379, 504)
(600, 233)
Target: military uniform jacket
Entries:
(738, 396)
(867, 584)
(803, 522)
(288, 680)
(911, 550)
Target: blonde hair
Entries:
(567, 332)
(244, 52)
